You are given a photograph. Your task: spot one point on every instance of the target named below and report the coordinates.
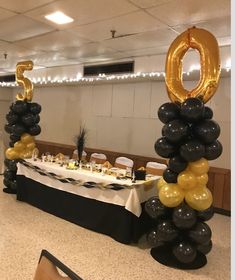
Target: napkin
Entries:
(107, 164)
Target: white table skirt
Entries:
(131, 199)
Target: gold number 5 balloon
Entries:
(24, 82)
(207, 45)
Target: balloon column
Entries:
(181, 238)
(22, 125)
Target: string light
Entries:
(103, 77)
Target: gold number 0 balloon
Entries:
(207, 45)
(24, 82)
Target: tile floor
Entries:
(26, 230)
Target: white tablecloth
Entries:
(131, 199)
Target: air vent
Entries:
(117, 68)
(7, 78)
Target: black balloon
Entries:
(192, 110)
(208, 113)
(152, 239)
(184, 252)
(164, 148)
(207, 131)
(18, 129)
(19, 107)
(175, 131)
(184, 217)
(12, 118)
(213, 150)
(28, 119)
(34, 108)
(170, 176)
(200, 233)
(177, 164)
(155, 208)
(7, 183)
(207, 214)
(34, 130)
(168, 111)
(167, 231)
(13, 185)
(36, 118)
(14, 137)
(10, 175)
(192, 150)
(10, 164)
(205, 248)
(8, 128)
(11, 143)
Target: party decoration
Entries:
(155, 208)
(189, 140)
(199, 198)
(184, 252)
(207, 46)
(171, 195)
(161, 182)
(23, 81)
(22, 126)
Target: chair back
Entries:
(123, 162)
(75, 155)
(98, 158)
(47, 269)
(155, 168)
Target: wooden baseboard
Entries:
(219, 178)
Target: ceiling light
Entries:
(59, 18)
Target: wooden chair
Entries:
(48, 266)
(123, 162)
(155, 168)
(98, 158)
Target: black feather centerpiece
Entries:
(80, 142)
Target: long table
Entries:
(64, 193)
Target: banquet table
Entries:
(89, 199)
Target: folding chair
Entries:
(48, 266)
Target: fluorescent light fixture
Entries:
(59, 18)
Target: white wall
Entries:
(5, 101)
(121, 117)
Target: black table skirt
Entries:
(110, 219)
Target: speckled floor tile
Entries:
(26, 230)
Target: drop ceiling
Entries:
(143, 27)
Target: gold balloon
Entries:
(199, 167)
(24, 82)
(27, 138)
(171, 195)
(28, 154)
(161, 182)
(208, 48)
(202, 180)
(186, 180)
(11, 153)
(199, 198)
(30, 146)
(19, 146)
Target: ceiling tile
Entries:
(190, 11)
(83, 12)
(151, 39)
(14, 51)
(146, 51)
(219, 27)
(88, 50)
(21, 27)
(4, 14)
(21, 6)
(136, 22)
(149, 3)
(58, 40)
